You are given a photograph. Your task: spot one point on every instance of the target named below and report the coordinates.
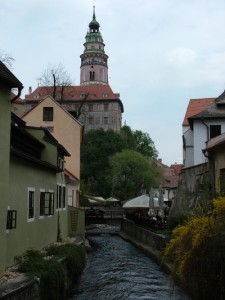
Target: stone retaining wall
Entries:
(149, 242)
(21, 288)
(155, 241)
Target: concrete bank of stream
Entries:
(150, 243)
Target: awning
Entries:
(111, 199)
(99, 200)
(142, 201)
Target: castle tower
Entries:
(94, 67)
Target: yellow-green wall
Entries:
(43, 230)
(4, 169)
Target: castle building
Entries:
(92, 103)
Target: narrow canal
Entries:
(116, 270)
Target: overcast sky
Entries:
(161, 54)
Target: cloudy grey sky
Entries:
(161, 54)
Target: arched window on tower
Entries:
(92, 76)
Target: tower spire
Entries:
(94, 67)
(94, 12)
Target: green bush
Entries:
(50, 271)
(74, 255)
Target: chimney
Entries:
(30, 90)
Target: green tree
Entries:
(98, 146)
(144, 144)
(128, 137)
(132, 173)
(138, 141)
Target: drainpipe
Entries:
(207, 130)
(18, 95)
(211, 164)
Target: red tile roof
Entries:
(177, 168)
(73, 93)
(171, 181)
(70, 175)
(195, 106)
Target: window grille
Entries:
(11, 219)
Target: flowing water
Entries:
(116, 270)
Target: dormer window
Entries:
(36, 96)
(105, 95)
(82, 95)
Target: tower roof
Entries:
(94, 25)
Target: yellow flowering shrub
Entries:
(197, 251)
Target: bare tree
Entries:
(57, 77)
(6, 59)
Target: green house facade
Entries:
(7, 82)
(33, 210)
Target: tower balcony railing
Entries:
(94, 50)
(93, 63)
